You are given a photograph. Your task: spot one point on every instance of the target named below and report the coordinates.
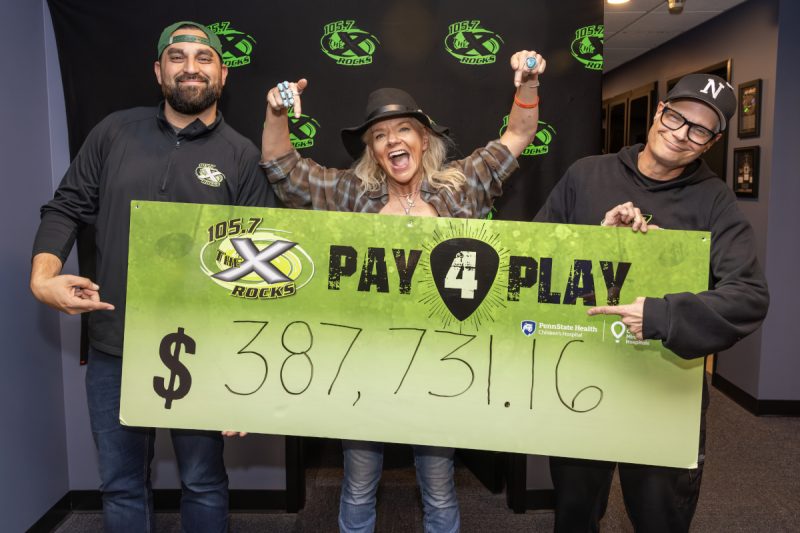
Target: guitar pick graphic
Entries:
(463, 270)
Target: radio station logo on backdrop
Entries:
(302, 130)
(237, 46)
(347, 44)
(587, 47)
(254, 263)
(541, 142)
(471, 44)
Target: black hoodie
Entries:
(691, 325)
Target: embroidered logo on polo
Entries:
(348, 45)
(254, 263)
(541, 143)
(471, 44)
(302, 130)
(587, 47)
(209, 174)
(237, 46)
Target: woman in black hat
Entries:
(400, 168)
(400, 155)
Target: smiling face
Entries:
(672, 149)
(191, 75)
(398, 144)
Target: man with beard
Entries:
(181, 151)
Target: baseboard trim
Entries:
(57, 513)
(164, 500)
(754, 405)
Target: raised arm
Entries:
(524, 116)
(275, 137)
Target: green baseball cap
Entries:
(167, 39)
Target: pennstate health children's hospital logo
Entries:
(541, 142)
(588, 46)
(236, 45)
(209, 174)
(254, 263)
(471, 44)
(348, 45)
(302, 130)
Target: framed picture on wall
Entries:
(745, 172)
(749, 114)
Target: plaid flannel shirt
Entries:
(301, 182)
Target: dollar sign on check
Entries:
(170, 352)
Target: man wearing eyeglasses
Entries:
(664, 184)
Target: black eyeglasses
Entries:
(697, 134)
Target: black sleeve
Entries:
(76, 199)
(694, 325)
(254, 188)
(560, 202)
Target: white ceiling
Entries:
(640, 25)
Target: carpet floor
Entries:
(751, 483)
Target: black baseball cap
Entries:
(709, 89)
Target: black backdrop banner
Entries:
(451, 55)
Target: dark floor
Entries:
(751, 484)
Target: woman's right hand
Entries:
(286, 95)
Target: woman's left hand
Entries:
(523, 72)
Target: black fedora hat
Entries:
(382, 104)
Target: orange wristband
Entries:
(523, 105)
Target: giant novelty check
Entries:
(450, 332)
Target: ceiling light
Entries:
(618, 1)
(676, 6)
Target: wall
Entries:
(33, 472)
(780, 366)
(748, 35)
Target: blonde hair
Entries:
(449, 177)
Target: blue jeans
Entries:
(363, 462)
(125, 454)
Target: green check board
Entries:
(449, 332)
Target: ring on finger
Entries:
(283, 91)
(530, 62)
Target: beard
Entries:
(191, 100)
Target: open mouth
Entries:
(399, 159)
